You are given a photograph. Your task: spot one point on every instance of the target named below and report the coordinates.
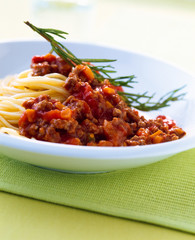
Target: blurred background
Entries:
(161, 28)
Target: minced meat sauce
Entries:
(93, 115)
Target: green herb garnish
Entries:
(142, 101)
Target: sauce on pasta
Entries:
(67, 105)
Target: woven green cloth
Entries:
(162, 193)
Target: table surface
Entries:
(162, 29)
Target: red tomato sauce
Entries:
(93, 115)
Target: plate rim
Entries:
(23, 144)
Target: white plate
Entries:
(153, 75)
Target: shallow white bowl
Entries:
(152, 76)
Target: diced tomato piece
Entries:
(73, 141)
(85, 72)
(118, 88)
(108, 90)
(157, 137)
(169, 122)
(22, 119)
(142, 132)
(66, 113)
(59, 105)
(50, 58)
(53, 114)
(31, 115)
(38, 59)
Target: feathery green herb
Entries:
(140, 101)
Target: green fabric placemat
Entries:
(162, 193)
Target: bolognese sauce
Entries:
(94, 114)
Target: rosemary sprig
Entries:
(140, 101)
(64, 52)
(126, 81)
(144, 101)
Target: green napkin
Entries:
(162, 193)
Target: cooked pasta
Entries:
(14, 90)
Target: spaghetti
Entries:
(15, 90)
